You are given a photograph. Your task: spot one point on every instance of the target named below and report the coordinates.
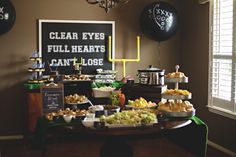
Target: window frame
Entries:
(219, 106)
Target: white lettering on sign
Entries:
(92, 62)
(88, 48)
(93, 36)
(58, 48)
(85, 62)
(52, 94)
(63, 35)
(62, 62)
(76, 48)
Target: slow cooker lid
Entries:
(151, 69)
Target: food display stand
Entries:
(184, 129)
(189, 131)
(67, 124)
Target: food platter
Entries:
(139, 108)
(89, 122)
(176, 80)
(65, 80)
(78, 103)
(128, 125)
(36, 69)
(129, 118)
(140, 103)
(178, 114)
(76, 99)
(133, 107)
(35, 58)
(177, 97)
(76, 78)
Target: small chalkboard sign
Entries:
(63, 43)
(52, 97)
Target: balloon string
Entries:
(159, 54)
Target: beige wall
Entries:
(17, 45)
(194, 60)
(189, 48)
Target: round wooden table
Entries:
(115, 139)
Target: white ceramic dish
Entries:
(109, 111)
(90, 115)
(99, 93)
(175, 80)
(95, 108)
(67, 118)
(89, 122)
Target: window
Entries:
(222, 60)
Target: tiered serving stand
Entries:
(36, 69)
(177, 98)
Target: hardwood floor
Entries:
(212, 152)
(148, 148)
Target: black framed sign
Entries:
(52, 97)
(62, 43)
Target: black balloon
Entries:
(159, 21)
(7, 16)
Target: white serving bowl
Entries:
(89, 122)
(109, 109)
(67, 118)
(90, 115)
(95, 108)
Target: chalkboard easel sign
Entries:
(52, 97)
(63, 43)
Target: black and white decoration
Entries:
(7, 16)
